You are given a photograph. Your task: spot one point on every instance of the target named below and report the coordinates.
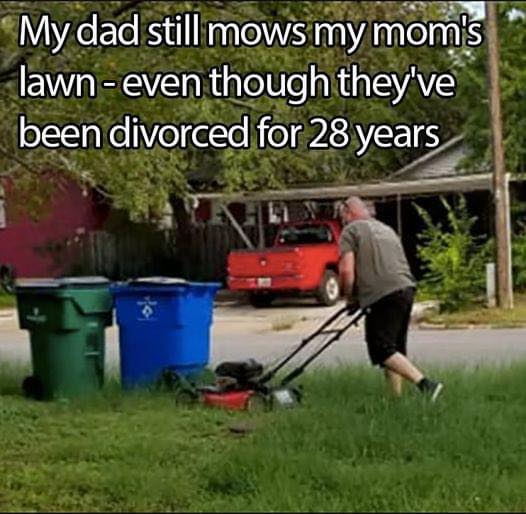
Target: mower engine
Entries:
(238, 386)
(235, 385)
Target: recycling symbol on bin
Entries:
(147, 311)
(147, 308)
(36, 317)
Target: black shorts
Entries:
(386, 325)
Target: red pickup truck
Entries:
(303, 259)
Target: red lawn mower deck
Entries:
(245, 385)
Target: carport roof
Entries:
(461, 183)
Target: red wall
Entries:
(36, 247)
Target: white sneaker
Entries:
(435, 391)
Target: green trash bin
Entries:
(66, 319)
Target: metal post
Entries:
(490, 284)
(237, 226)
(507, 198)
(399, 214)
(261, 231)
(500, 191)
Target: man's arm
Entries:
(346, 271)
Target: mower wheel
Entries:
(185, 397)
(257, 403)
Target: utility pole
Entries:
(500, 181)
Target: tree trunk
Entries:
(185, 251)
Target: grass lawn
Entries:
(480, 315)
(7, 301)
(347, 448)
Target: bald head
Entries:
(353, 209)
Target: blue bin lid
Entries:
(159, 281)
(160, 285)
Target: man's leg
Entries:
(403, 367)
(405, 304)
(381, 330)
(394, 382)
(386, 327)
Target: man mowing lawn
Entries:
(374, 269)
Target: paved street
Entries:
(240, 331)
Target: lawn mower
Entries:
(246, 385)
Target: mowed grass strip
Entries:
(481, 315)
(348, 447)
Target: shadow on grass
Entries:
(110, 397)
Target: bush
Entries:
(519, 259)
(454, 259)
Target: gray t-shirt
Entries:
(381, 266)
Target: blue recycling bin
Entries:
(162, 323)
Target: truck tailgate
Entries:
(264, 263)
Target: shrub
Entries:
(454, 259)
(519, 259)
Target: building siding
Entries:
(37, 247)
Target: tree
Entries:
(474, 90)
(142, 181)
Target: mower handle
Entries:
(336, 335)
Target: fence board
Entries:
(132, 253)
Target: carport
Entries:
(423, 181)
(376, 191)
(392, 202)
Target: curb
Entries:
(444, 326)
(226, 295)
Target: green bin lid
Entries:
(38, 283)
(83, 281)
(56, 283)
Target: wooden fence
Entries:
(139, 252)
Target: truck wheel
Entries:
(260, 300)
(329, 289)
